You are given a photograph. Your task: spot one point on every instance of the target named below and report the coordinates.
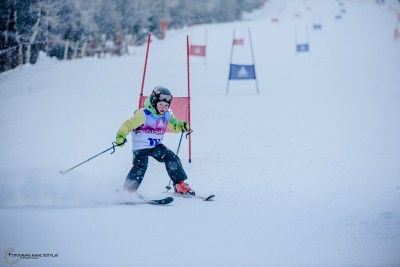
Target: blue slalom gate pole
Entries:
(230, 62)
(254, 62)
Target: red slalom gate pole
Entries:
(188, 75)
(145, 67)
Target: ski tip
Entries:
(168, 200)
(164, 201)
(209, 198)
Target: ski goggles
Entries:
(166, 98)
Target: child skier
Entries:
(148, 126)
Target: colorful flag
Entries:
(302, 48)
(242, 72)
(317, 27)
(198, 50)
(238, 41)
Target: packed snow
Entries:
(305, 173)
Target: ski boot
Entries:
(183, 188)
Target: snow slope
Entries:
(306, 173)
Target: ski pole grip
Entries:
(188, 133)
(121, 143)
(114, 144)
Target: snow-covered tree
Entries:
(40, 24)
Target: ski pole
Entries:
(168, 187)
(108, 149)
(180, 141)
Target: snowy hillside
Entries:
(305, 173)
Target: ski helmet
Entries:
(160, 94)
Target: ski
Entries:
(142, 200)
(204, 198)
(208, 198)
(164, 201)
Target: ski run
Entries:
(305, 173)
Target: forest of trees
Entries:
(77, 28)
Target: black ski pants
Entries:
(140, 162)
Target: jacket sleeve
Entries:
(137, 120)
(174, 125)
